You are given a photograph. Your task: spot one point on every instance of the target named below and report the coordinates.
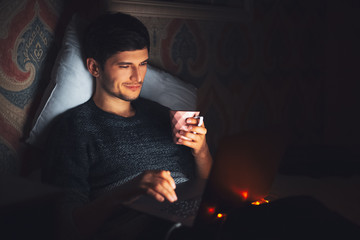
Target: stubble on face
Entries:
(120, 95)
(124, 74)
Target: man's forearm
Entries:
(157, 183)
(203, 163)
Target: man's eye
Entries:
(143, 63)
(123, 66)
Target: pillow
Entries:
(71, 84)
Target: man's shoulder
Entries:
(76, 115)
(71, 124)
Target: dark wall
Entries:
(297, 67)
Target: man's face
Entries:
(124, 73)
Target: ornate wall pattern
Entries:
(26, 36)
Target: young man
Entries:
(117, 147)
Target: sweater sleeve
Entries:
(66, 165)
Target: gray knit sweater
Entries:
(92, 151)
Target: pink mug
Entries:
(178, 121)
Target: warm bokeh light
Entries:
(259, 202)
(244, 194)
(211, 210)
(220, 215)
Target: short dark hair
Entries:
(114, 32)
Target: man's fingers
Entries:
(194, 121)
(154, 194)
(167, 176)
(189, 144)
(192, 135)
(167, 186)
(200, 131)
(161, 192)
(167, 191)
(189, 136)
(160, 183)
(197, 129)
(152, 175)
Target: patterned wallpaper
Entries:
(269, 70)
(26, 38)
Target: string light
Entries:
(211, 210)
(259, 202)
(221, 216)
(244, 194)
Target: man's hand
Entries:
(195, 138)
(156, 183)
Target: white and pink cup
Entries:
(178, 121)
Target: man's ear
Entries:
(93, 67)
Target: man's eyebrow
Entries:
(129, 63)
(123, 63)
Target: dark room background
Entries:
(292, 63)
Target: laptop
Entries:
(243, 171)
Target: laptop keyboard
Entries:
(183, 208)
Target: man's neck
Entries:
(114, 105)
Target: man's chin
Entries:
(129, 98)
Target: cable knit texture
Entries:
(92, 151)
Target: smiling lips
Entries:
(133, 87)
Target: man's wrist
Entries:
(203, 153)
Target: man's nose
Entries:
(136, 75)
